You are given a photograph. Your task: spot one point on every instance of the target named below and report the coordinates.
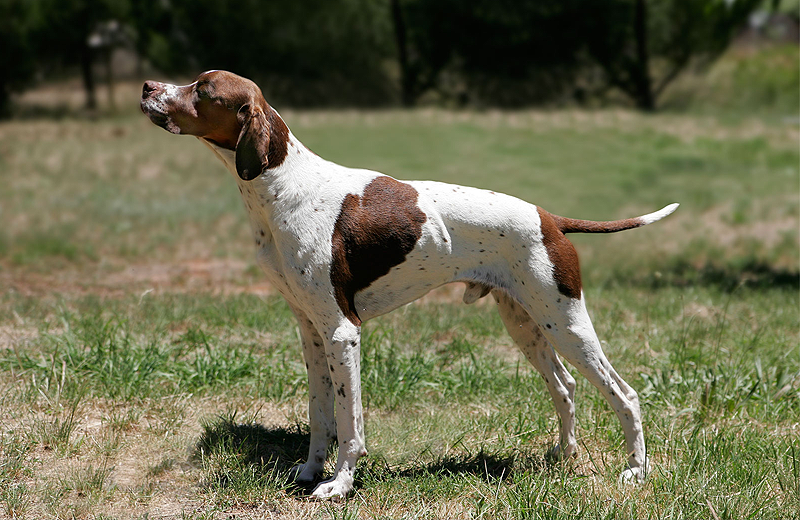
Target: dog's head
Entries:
(226, 110)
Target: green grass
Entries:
(99, 196)
(747, 79)
(455, 417)
(145, 372)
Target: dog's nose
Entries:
(148, 88)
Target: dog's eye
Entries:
(202, 90)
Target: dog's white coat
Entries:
(491, 241)
(296, 205)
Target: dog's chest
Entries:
(292, 235)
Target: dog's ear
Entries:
(253, 144)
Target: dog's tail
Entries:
(572, 225)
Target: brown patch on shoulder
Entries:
(373, 233)
(566, 269)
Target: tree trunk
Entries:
(108, 54)
(88, 78)
(5, 101)
(640, 73)
(407, 79)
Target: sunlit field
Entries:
(147, 370)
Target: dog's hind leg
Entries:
(561, 385)
(566, 324)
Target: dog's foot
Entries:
(304, 473)
(334, 489)
(556, 454)
(635, 475)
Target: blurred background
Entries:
(451, 53)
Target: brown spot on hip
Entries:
(566, 269)
(373, 233)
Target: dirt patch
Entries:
(129, 467)
(18, 334)
(216, 276)
(722, 228)
(224, 276)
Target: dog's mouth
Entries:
(158, 117)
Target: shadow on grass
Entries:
(246, 454)
(65, 111)
(271, 452)
(232, 451)
(681, 272)
(753, 274)
(252, 443)
(501, 465)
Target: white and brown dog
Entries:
(344, 245)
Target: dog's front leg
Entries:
(343, 349)
(320, 400)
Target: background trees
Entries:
(367, 53)
(17, 60)
(642, 46)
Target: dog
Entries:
(344, 245)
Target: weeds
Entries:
(56, 432)
(453, 411)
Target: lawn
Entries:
(147, 370)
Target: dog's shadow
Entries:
(227, 443)
(272, 452)
(490, 466)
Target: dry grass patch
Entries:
(117, 459)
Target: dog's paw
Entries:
(633, 476)
(556, 454)
(304, 473)
(333, 489)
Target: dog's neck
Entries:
(277, 190)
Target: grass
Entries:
(763, 78)
(147, 371)
(456, 421)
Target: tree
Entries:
(306, 52)
(368, 52)
(17, 23)
(642, 46)
(64, 35)
(517, 52)
(423, 32)
(495, 52)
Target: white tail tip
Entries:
(658, 215)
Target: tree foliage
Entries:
(500, 52)
(63, 34)
(306, 52)
(17, 59)
(373, 52)
(642, 45)
(518, 52)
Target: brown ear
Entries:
(253, 143)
